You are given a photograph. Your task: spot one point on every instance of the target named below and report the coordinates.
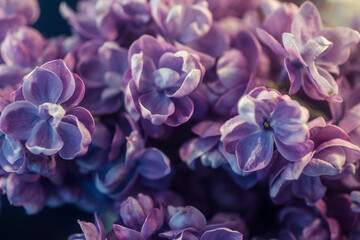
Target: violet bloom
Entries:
(23, 49)
(12, 155)
(183, 21)
(140, 217)
(333, 157)
(45, 113)
(102, 65)
(161, 80)
(236, 72)
(27, 9)
(149, 164)
(265, 117)
(313, 52)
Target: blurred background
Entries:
(58, 224)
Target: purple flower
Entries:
(160, 81)
(333, 157)
(140, 217)
(265, 117)
(313, 52)
(118, 178)
(235, 72)
(102, 66)
(27, 9)
(184, 21)
(23, 49)
(44, 113)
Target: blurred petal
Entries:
(153, 164)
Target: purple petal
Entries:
(84, 117)
(221, 233)
(153, 164)
(295, 151)
(60, 69)
(188, 217)
(309, 188)
(14, 52)
(42, 86)
(195, 148)
(292, 47)
(124, 233)
(234, 130)
(184, 109)
(44, 139)
(132, 213)
(271, 42)
(307, 23)
(75, 136)
(342, 39)
(153, 223)
(18, 119)
(254, 152)
(78, 95)
(295, 71)
(156, 107)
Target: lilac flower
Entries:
(44, 113)
(305, 223)
(90, 231)
(333, 157)
(184, 21)
(27, 9)
(278, 17)
(93, 19)
(102, 65)
(12, 155)
(236, 72)
(313, 52)
(140, 217)
(265, 117)
(118, 178)
(206, 146)
(23, 49)
(161, 80)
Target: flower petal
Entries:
(221, 233)
(42, 86)
(184, 109)
(44, 139)
(18, 119)
(307, 23)
(78, 95)
(75, 136)
(68, 82)
(153, 164)
(156, 107)
(254, 152)
(125, 233)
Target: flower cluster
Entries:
(114, 118)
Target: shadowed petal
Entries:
(187, 217)
(78, 95)
(153, 223)
(153, 164)
(221, 233)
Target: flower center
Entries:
(53, 112)
(266, 125)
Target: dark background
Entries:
(49, 224)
